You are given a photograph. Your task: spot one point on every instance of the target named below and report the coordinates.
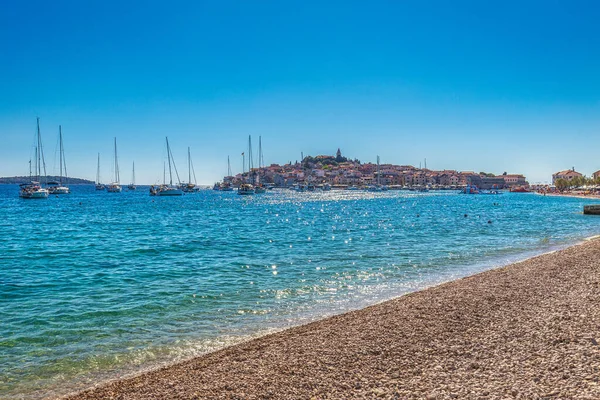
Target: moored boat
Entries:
(225, 187)
(115, 187)
(132, 185)
(259, 187)
(246, 189)
(34, 189)
(98, 185)
(58, 187)
(189, 187)
(170, 189)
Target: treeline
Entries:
(576, 182)
(25, 179)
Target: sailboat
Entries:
(99, 186)
(58, 187)
(247, 188)
(225, 186)
(190, 187)
(34, 189)
(377, 187)
(259, 187)
(115, 187)
(170, 189)
(132, 186)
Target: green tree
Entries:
(561, 184)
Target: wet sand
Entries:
(529, 330)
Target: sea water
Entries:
(97, 285)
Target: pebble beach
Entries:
(528, 330)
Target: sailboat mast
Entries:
(117, 175)
(259, 156)
(64, 161)
(133, 174)
(38, 156)
(250, 163)
(35, 165)
(189, 167)
(98, 171)
(228, 167)
(169, 157)
(60, 156)
(42, 162)
(378, 180)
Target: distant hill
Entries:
(25, 179)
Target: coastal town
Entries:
(340, 172)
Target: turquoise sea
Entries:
(97, 285)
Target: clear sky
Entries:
(470, 85)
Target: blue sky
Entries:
(470, 85)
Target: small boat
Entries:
(58, 187)
(34, 189)
(299, 187)
(326, 187)
(170, 189)
(225, 187)
(190, 187)
(377, 187)
(99, 186)
(132, 186)
(246, 188)
(115, 187)
(471, 189)
(259, 187)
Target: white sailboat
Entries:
(59, 187)
(34, 189)
(225, 186)
(99, 186)
(170, 189)
(246, 188)
(115, 187)
(132, 186)
(190, 187)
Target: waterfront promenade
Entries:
(528, 330)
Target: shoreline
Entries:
(284, 364)
(575, 196)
